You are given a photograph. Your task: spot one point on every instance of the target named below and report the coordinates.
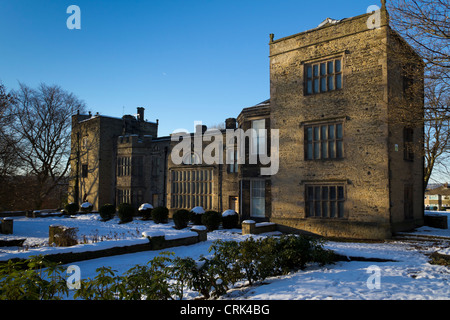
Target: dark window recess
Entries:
(323, 76)
(324, 141)
(325, 201)
(84, 171)
(408, 144)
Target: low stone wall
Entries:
(157, 241)
(251, 227)
(436, 220)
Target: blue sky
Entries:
(183, 60)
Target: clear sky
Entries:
(183, 60)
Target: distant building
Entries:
(438, 198)
(347, 166)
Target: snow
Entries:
(198, 210)
(407, 276)
(248, 221)
(145, 206)
(86, 205)
(228, 212)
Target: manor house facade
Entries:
(348, 167)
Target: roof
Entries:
(442, 190)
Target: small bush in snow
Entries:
(212, 220)
(72, 208)
(87, 207)
(230, 219)
(107, 211)
(160, 215)
(195, 215)
(181, 218)
(146, 211)
(125, 212)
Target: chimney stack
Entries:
(140, 112)
(230, 123)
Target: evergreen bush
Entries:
(125, 212)
(230, 219)
(181, 218)
(107, 211)
(72, 208)
(212, 220)
(160, 215)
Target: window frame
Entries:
(324, 143)
(408, 144)
(315, 203)
(317, 76)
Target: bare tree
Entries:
(425, 25)
(41, 125)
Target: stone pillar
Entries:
(201, 231)
(7, 226)
(248, 227)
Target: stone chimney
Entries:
(140, 112)
(230, 123)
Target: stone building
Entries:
(347, 168)
(350, 156)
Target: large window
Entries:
(323, 76)
(123, 166)
(324, 141)
(258, 198)
(325, 201)
(191, 188)
(124, 196)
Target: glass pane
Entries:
(332, 209)
(331, 149)
(323, 69)
(309, 134)
(317, 209)
(340, 149)
(309, 151)
(330, 67)
(339, 131)
(324, 150)
(325, 209)
(310, 193)
(332, 193)
(337, 64)
(324, 193)
(316, 85)
(316, 133)
(341, 209)
(340, 193)
(323, 84)
(339, 81)
(331, 131)
(331, 83)
(324, 134)
(309, 72)
(309, 87)
(317, 193)
(316, 70)
(317, 150)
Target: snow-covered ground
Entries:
(409, 277)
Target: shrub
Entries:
(230, 219)
(181, 218)
(160, 215)
(107, 211)
(125, 212)
(212, 220)
(72, 208)
(87, 207)
(195, 215)
(146, 211)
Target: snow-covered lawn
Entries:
(410, 276)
